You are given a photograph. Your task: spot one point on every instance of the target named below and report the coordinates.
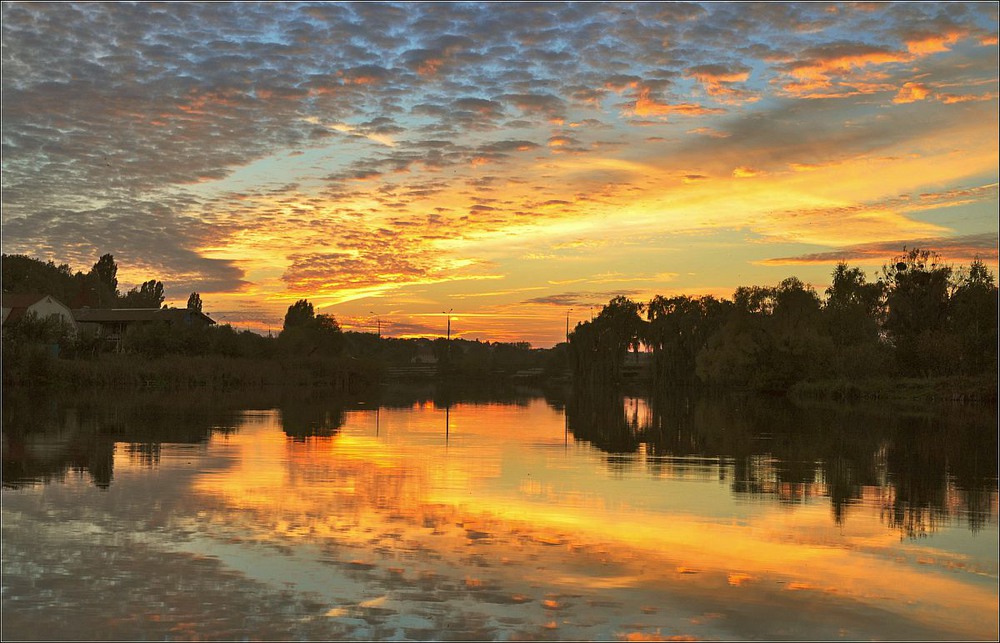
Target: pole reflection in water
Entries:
(671, 518)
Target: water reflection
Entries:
(443, 514)
(920, 468)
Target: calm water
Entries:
(429, 514)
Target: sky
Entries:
(510, 166)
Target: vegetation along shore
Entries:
(921, 330)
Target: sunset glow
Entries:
(516, 163)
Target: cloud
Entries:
(646, 105)
(581, 298)
(962, 249)
(223, 145)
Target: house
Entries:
(111, 324)
(17, 306)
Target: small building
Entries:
(111, 324)
(17, 306)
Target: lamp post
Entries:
(449, 323)
(447, 348)
(567, 323)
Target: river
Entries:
(427, 513)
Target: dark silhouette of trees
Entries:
(306, 333)
(853, 317)
(679, 328)
(974, 319)
(194, 302)
(598, 347)
(916, 323)
(300, 313)
(105, 272)
(148, 295)
(918, 319)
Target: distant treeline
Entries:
(310, 347)
(97, 288)
(919, 318)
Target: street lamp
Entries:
(449, 322)
(567, 323)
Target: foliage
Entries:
(598, 347)
(299, 314)
(306, 333)
(147, 295)
(194, 302)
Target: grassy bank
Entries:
(183, 372)
(981, 389)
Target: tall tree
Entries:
(301, 313)
(194, 302)
(306, 333)
(106, 272)
(917, 312)
(148, 295)
(974, 318)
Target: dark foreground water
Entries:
(435, 514)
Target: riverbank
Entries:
(343, 374)
(980, 389)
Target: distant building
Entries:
(111, 324)
(17, 306)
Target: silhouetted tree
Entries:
(148, 295)
(194, 302)
(306, 333)
(853, 316)
(917, 313)
(598, 348)
(300, 313)
(974, 319)
(100, 286)
(678, 329)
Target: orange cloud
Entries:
(646, 106)
(743, 172)
(911, 92)
(816, 71)
(932, 43)
(717, 81)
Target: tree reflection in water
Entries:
(920, 468)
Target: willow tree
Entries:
(598, 348)
(678, 329)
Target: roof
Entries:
(21, 299)
(117, 314)
(18, 303)
(124, 315)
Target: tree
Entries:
(100, 286)
(148, 295)
(305, 332)
(106, 271)
(973, 316)
(678, 329)
(917, 311)
(852, 317)
(598, 348)
(194, 302)
(300, 313)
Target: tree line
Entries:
(920, 317)
(97, 288)
(313, 340)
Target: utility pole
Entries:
(567, 323)
(378, 324)
(449, 323)
(447, 349)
